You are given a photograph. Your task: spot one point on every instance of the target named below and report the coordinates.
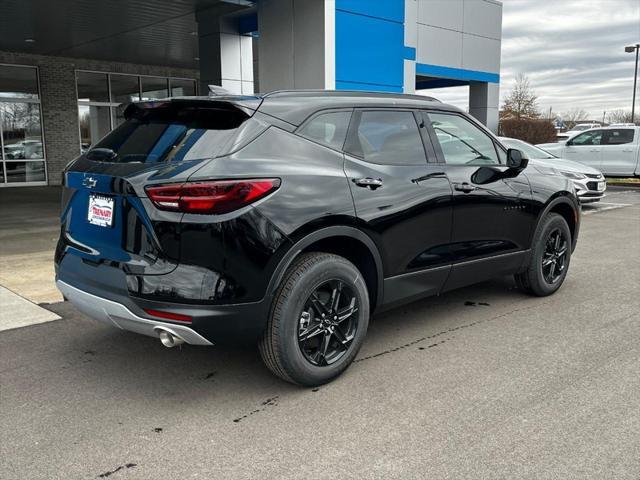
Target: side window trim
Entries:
(318, 113)
(354, 124)
(433, 137)
(436, 143)
(427, 141)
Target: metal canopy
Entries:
(153, 32)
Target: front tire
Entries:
(550, 258)
(318, 320)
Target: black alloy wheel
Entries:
(328, 323)
(318, 320)
(548, 263)
(554, 258)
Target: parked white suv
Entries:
(615, 151)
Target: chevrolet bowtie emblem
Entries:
(89, 182)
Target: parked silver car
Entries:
(590, 184)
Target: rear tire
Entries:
(550, 257)
(313, 333)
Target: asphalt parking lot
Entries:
(483, 382)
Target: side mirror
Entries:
(516, 160)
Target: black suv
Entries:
(287, 219)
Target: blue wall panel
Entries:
(369, 50)
(392, 10)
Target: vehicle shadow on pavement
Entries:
(103, 361)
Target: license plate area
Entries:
(100, 211)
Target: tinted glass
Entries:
(19, 82)
(592, 137)
(21, 130)
(92, 86)
(18, 172)
(171, 133)
(387, 138)
(124, 88)
(328, 128)
(462, 142)
(618, 137)
(182, 88)
(154, 88)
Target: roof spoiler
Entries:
(218, 91)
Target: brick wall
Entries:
(59, 103)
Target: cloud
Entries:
(571, 50)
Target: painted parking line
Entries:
(17, 311)
(603, 207)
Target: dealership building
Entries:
(67, 68)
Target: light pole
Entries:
(631, 49)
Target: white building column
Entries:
(226, 57)
(296, 46)
(484, 101)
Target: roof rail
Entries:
(355, 93)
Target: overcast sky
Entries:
(571, 50)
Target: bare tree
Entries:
(619, 116)
(574, 116)
(521, 101)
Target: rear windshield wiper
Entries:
(102, 155)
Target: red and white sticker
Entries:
(100, 210)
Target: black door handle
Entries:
(368, 182)
(464, 187)
(428, 176)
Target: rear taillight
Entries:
(213, 197)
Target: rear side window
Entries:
(618, 137)
(592, 137)
(170, 131)
(329, 129)
(387, 138)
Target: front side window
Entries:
(329, 129)
(592, 137)
(462, 142)
(387, 138)
(618, 137)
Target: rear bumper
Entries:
(118, 315)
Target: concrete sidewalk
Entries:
(29, 229)
(16, 311)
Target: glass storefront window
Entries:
(95, 123)
(153, 88)
(21, 172)
(92, 87)
(21, 131)
(103, 97)
(18, 82)
(22, 152)
(124, 88)
(182, 88)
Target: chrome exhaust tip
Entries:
(169, 340)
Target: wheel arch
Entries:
(346, 241)
(564, 205)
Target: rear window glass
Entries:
(618, 137)
(164, 132)
(329, 129)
